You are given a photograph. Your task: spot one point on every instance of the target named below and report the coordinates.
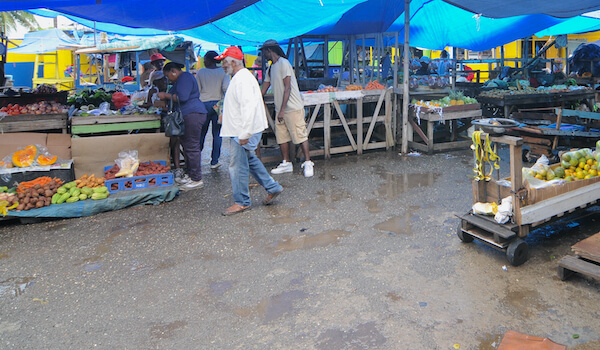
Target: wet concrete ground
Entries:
(362, 256)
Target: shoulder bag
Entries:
(174, 125)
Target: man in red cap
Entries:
(244, 120)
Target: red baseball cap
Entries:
(156, 57)
(231, 51)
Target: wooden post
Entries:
(405, 92)
(327, 130)
(359, 125)
(326, 57)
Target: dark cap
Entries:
(211, 55)
(172, 65)
(269, 43)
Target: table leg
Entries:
(430, 127)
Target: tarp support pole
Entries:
(405, 93)
(326, 57)
(352, 58)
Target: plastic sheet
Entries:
(91, 207)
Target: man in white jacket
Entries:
(244, 120)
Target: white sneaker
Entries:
(284, 167)
(185, 179)
(193, 185)
(309, 170)
(215, 166)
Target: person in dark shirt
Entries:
(185, 94)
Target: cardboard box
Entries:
(57, 144)
(92, 154)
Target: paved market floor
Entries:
(362, 256)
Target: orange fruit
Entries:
(590, 162)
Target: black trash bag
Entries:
(580, 62)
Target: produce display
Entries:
(45, 89)
(353, 87)
(32, 155)
(8, 199)
(500, 93)
(454, 98)
(143, 169)
(41, 107)
(374, 85)
(574, 165)
(89, 98)
(71, 192)
(37, 193)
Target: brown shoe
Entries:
(234, 209)
(271, 197)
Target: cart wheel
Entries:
(465, 237)
(517, 252)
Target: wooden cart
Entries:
(531, 207)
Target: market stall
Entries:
(44, 109)
(530, 197)
(346, 109)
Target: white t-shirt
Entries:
(212, 83)
(243, 108)
(275, 75)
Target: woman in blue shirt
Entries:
(185, 94)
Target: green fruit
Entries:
(75, 192)
(63, 198)
(100, 189)
(83, 196)
(566, 157)
(61, 190)
(72, 199)
(97, 195)
(559, 172)
(574, 161)
(55, 198)
(565, 164)
(70, 185)
(87, 190)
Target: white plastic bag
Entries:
(540, 169)
(485, 208)
(504, 210)
(128, 163)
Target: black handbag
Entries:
(174, 125)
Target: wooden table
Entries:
(324, 111)
(451, 114)
(34, 122)
(510, 102)
(112, 123)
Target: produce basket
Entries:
(137, 182)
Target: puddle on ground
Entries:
(4, 255)
(394, 296)
(396, 184)
(309, 241)
(399, 224)
(167, 264)
(489, 341)
(274, 307)
(166, 331)
(219, 288)
(280, 215)
(373, 206)
(525, 303)
(364, 336)
(330, 196)
(15, 286)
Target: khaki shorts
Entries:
(292, 128)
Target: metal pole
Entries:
(405, 95)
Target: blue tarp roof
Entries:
(44, 41)
(435, 24)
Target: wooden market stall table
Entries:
(325, 112)
(431, 116)
(114, 123)
(34, 122)
(509, 102)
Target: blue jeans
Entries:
(212, 117)
(243, 163)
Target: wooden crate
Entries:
(34, 122)
(103, 124)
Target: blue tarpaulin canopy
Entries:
(43, 41)
(435, 24)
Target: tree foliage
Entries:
(10, 20)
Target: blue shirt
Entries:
(188, 94)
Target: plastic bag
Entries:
(485, 208)
(139, 97)
(504, 210)
(128, 163)
(540, 175)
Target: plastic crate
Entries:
(137, 182)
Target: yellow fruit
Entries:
(580, 175)
(587, 167)
(588, 177)
(538, 176)
(582, 164)
(593, 172)
(590, 161)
